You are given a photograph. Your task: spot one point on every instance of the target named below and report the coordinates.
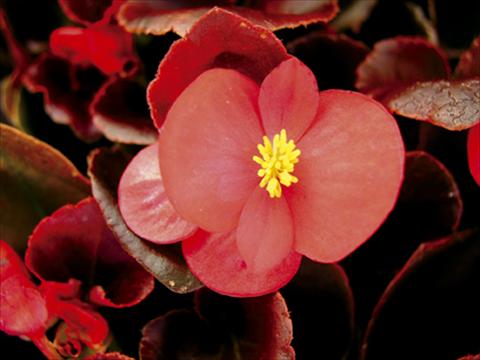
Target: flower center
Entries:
(277, 163)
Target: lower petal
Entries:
(350, 172)
(216, 261)
(265, 231)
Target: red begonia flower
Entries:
(108, 47)
(322, 201)
(473, 150)
(76, 243)
(212, 181)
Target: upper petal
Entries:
(288, 99)
(350, 172)
(265, 231)
(206, 148)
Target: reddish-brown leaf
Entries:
(218, 39)
(333, 58)
(453, 105)
(164, 262)
(399, 62)
(67, 90)
(120, 111)
(160, 17)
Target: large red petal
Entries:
(23, 309)
(218, 39)
(145, 206)
(288, 99)
(265, 231)
(206, 148)
(350, 172)
(473, 151)
(216, 261)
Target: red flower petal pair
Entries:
(206, 148)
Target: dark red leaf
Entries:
(120, 111)
(429, 206)
(85, 11)
(320, 301)
(473, 152)
(160, 17)
(469, 63)
(218, 39)
(60, 249)
(224, 328)
(450, 104)
(431, 307)
(67, 90)
(23, 310)
(179, 333)
(35, 180)
(164, 262)
(216, 261)
(262, 325)
(399, 62)
(333, 58)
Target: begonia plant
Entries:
(239, 179)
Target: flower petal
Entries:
(206, 148)
(265, 231)
(216, 261)
(288, 99)
(23, 309)
(145, 206)
(350, 172)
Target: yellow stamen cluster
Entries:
(277, 163)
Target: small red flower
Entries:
(270, 171)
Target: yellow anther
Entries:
(277, 161)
